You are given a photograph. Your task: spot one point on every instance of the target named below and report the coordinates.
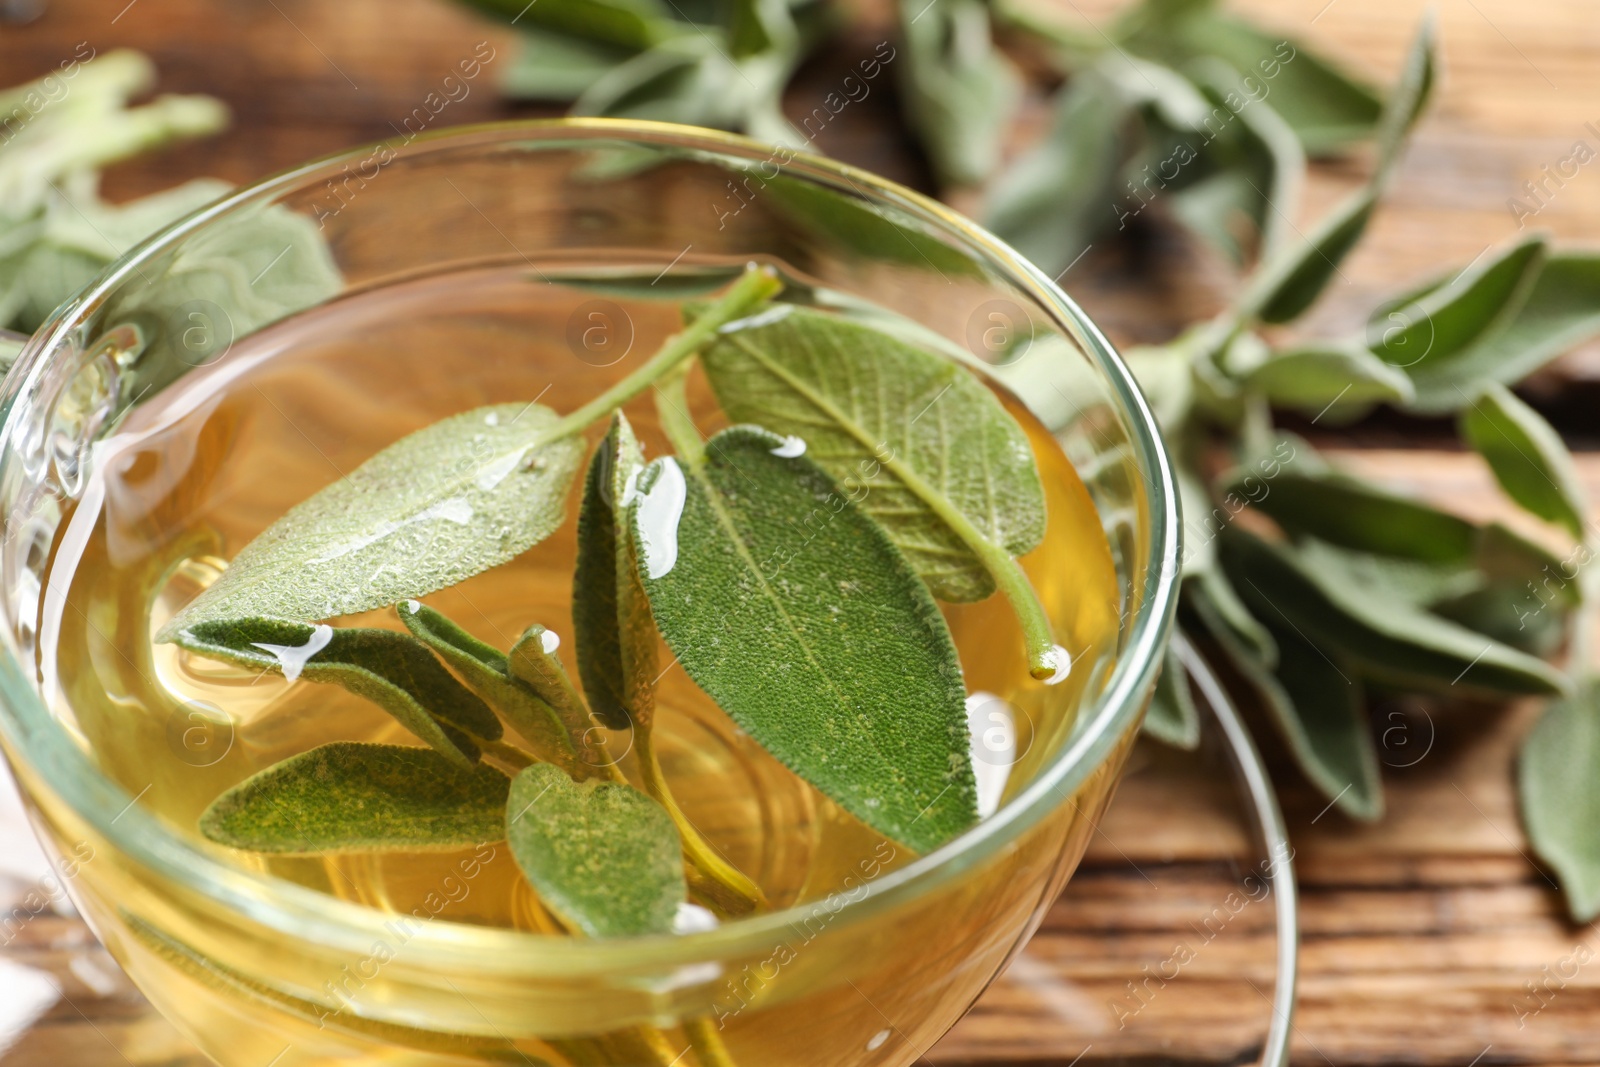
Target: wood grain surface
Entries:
(1424, 934)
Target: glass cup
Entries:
(258, 969)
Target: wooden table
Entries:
(1421, 932)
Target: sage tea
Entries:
(566, 607)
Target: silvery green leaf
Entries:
(628, 24)
(1289, 282)
(907, 433)
(1166, 379)
(1172, 717)
(455, 498)
(601, 855)
(1260, 168)
(1558, 784)
(1348, 511)
(1224, 601)
(797, 614)
(856, 227)
(10, 348)
(485, 670)
(557, 66)
(1424, 332)
(392, 670)
(237, 274)
(958, 89)
(76, 238)
(1327, 380)
(1317, 702)
(611, 624)
(1527, 457)
(353, 797)
(1560, 309)
(1367, 625)
(1326, 107)
(1052, 201)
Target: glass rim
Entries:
(46, 749)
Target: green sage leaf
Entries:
(392, 670)
(453, 499)
(533, 661)
(854, 225)
(1290, 282)
(1318, 706)
(602, 855)
(796, 613)
(1561, 309)
(1327, 380)
(556, 66)
(628, 24)
(1559, 790)
(1172, 717)
(1344, 510)
(1059, 194)
(354, 797)
(1326, 107)
(959, 90)
(611, 624)
(1424, 331)
(913, 438)
(1527, 457)
(1387, 638)
(486, 671)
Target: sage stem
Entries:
(758, 285)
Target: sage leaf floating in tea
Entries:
(394, 671)
(602, 855)
(451, 500)
(914, 439)
(611, 625)
(797, 614)
(350, 796)
(486, 671)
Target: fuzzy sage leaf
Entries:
(1290, 282)
(1527, 457)
(1383, 635)
(354, 797)
(611, 624)
(455, 498)
(394, 671)
(486, 671)
(602, 855)
(796, 613)
(1559, 790)
(1317, 706)
(914, 439)
(1172, 717)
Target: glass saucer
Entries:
(1175, 940)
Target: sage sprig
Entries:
(1357, 589)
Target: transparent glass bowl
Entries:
(258, 970)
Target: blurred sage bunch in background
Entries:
(56, 233)
(1315, 590)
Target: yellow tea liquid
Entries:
(196, 471)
